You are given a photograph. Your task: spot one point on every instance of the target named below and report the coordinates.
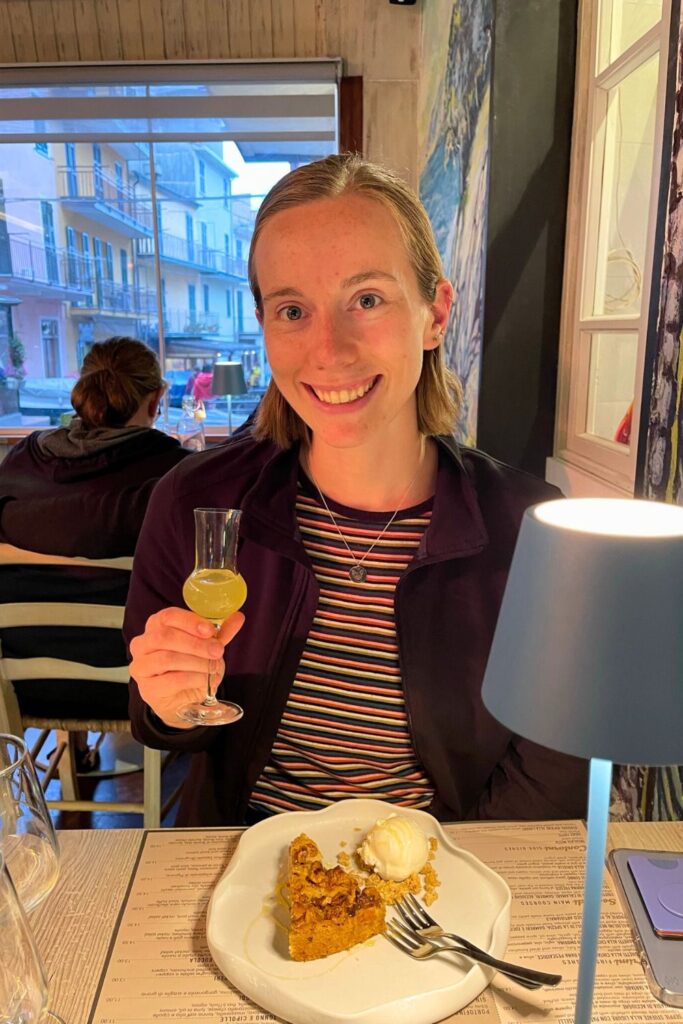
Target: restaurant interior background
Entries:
(543, 137)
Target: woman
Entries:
(375, 551)
(83, 489)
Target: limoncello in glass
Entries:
(214, 589)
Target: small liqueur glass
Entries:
(214, 589)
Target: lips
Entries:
(343, 396)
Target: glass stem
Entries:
(210, 698)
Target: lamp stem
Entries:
(599, 791)
(229, 415)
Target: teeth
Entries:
(344, 396)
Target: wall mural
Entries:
(453, 143)
(639, 793)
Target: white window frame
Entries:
(584, 464)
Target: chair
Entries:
(30, 662)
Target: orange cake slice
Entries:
(328, 909)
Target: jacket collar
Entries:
(456, 529)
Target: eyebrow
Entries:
(349, 282)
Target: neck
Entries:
(371, 480)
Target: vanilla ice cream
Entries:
(395, 848)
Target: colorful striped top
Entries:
(344, 731)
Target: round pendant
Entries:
(358, 574)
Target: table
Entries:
(543, 863)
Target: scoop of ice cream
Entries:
(395, 848)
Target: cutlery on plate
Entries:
(431, 938)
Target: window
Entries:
(126, 225)
(609, 252)
(73, 265)
(124, 267)
(49, 332)
(71, 169)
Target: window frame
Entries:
(582, 463)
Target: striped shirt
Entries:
(344, 731)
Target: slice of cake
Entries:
(328, 909)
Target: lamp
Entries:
(228, 379)
(587, 656)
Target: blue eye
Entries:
(293, 312)
(368, 301)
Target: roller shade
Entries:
(269, 108)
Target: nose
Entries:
(333, 344)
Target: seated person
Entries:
(83, 490)
(375, 549)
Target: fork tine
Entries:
(405, 934)
(405, 941)
(407, 913)
(423, 918)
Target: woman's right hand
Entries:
(170, 660)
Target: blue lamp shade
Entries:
(587, 656)
(228, 379)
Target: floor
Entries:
(118, 778)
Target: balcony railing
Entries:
(94, 184)
(187, 250)
(38, 263)
(112, 297)
(187, 321)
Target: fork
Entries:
(423, 949)
(420, 923)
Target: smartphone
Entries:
(661, 957)
(660, 884)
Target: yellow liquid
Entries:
(214, 593)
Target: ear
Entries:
(439, 312)
(259, 316)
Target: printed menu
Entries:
(159, 967)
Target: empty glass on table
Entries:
(28, 842)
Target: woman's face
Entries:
(345, 325)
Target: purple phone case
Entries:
(660, 884)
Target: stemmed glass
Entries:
(27, 837)
(23, 987)
(214, 590)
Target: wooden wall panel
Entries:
(376, 39)
(130, 27)
(21, 27)
(107, 14)
(389, 116)
(152, 22)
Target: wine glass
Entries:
(214, 589)
(23, 987)
(28, 841)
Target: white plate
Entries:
(373, 983)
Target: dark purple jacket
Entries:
(92, 504)
(446, 604)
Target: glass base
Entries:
(219, 712)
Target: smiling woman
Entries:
(375, 550)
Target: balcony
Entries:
(110, 297)
(92, 193)
(187, 252)
(34, 269)
(189, 323)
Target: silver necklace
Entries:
(358, 573)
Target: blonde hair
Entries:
(116, 375)
(438, 391)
